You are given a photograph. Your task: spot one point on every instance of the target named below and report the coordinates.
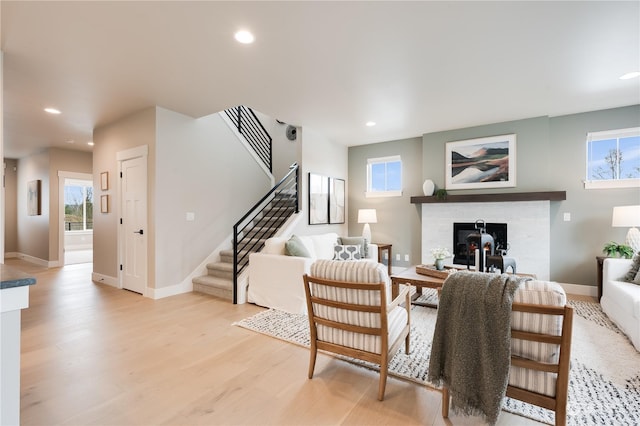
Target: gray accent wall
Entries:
(551, 156)
(398, 219)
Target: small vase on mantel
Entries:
(439, 264)
(428, 187)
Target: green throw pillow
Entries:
(295, 247)
(631, 275)
(360, 241)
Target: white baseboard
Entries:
(172, 290)
(10, 255)
(105, 279)
(34, 260)
(580, 290)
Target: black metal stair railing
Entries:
(249, 126)
(262, 221)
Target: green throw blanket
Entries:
(472, 341)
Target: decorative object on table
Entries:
(34, 203)
(367, 216)
(613, 249)
(318, 199)
(481, 244)
(428, 187)
(336, 200)
(439, 255)
(431, 271)
(628, 217)
(481, 163)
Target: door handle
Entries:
(139, 232)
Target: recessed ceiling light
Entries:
(90, 143)
(370, 123)
(52, 111)
(244, 37)
(630, 75)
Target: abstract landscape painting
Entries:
(481, 163)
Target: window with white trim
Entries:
(384, 177)
(613, 159)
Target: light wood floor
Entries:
(95, 355)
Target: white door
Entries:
(134, 224)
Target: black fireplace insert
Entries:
(461, 230)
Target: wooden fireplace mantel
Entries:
(493, 198)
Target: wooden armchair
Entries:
(349, 314)
(541, 325)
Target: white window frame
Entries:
(609, 183)
(374, 194)
(84, 184)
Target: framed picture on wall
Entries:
(336, 200)
(104, 181)
(481, 163)
(318, 199)
(104, 204)
(34, 203)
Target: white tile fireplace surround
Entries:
(528, 230)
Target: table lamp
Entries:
(628, 217)
(367, 216)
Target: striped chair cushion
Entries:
(544, 293)
(354, 271)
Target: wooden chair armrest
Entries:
(404, 294)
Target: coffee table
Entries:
(411, 277)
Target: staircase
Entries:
(219, 279)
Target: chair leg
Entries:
(407, 341)
(313, 352)
(445, 402)
(383, 380)
(561, 414)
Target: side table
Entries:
(384, 247)
(600, 262)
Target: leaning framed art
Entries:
(336, 200)
(481, 163)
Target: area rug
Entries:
(604, 382)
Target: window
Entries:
(613, 159)
(78, 205)
(384, 177)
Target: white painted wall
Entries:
(201, 169)
(322, 156)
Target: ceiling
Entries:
(412, 67)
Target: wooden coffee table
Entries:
(419, 281)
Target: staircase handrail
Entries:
(249, 125)
(253, 212)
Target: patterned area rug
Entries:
(604, 382)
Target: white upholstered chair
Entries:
(541, 325)
(349, 313)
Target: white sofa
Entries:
(275, 279)
(621, 299)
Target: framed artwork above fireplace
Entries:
(481, 163)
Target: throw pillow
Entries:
(364, 244)
(636, 280)
(631, 275)
(346, 252)
(295, 247)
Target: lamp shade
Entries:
(626, 216)
(367, 216)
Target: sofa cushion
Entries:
(635, 266)
(296, 247)
(274, 245)
(323, 245)
(346, 252)
(364, 245)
